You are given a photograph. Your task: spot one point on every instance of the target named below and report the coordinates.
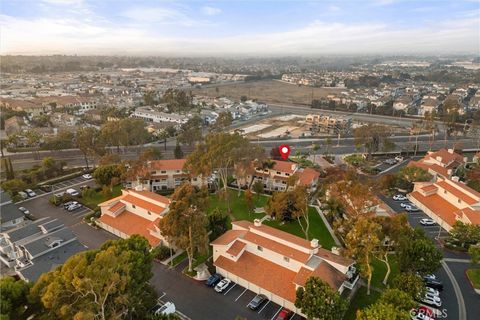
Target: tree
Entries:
(372, 137)
(249, 200)
(178, 153)
(465, 233)
(318, 301)
(224, 120)
(315, 148)
(178, 101)
(217, 223)
(191, 131)
(398, 298)
(107, 175)
(185, 224)
(473, 176)
(14, 186)
(417, 253)
(133, 132)
(382, 311)
(89, 143)
(361, 242)
(415, 174)
(258, 188)
(109, 283)
(150, 154)
(13, 298)
(33, 138)
(409, 283)
(474, 252)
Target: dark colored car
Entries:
(435, 284)
(285, 314)
(213, 280)
(257, 301)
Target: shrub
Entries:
(162, 252)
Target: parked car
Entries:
(404, 204)
(399, 197)
(285, 314)
(431, 302)
(223, 284)
(430, 276)
(68, 204)
(23, 195)
(213, 280)
(74, 207)
(30, 193)
(435, 284)
(257, 301)
(433, 297)
(72, 192)
(427, 222)
(46, 187)
(411, 208)
(399, 158)
(87, 176)
(420, 314)
(24, 210)
(390, 161)
(432, 291)
(166, 309)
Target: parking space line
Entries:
(264, 307)
(229, 289)
(276, 313)
(291, 317)
(241, 294)
(163, 295)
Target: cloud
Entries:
(165, 16)
(334, 8)
(210, 11)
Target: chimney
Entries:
(439, 159)
(257, 223)
(335, 250)
(314, 243)
(450, 151)
(139, 187)
(455, 178)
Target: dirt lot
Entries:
(271, 91)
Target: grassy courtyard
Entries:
(474, 276)
(361, 301)
(239, 211)
(93, 198)
(380, 270)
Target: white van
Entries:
(72, 192)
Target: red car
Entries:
(285, 314)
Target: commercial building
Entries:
(268, 261)
(135, 212)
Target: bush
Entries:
(95, 214)
(162, 252)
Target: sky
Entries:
(236, 28)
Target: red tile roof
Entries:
(236, 248)
(439, 206)
(152, 195)
(472, 215)
(284, 166)
(130, 224)
(263, 273)
(277, 247)
(456, 192)
(308, 176)
(173, 164)
(324, 271)
(117, 206)
(328, 255)
(228, 237)
(446, 156)
(143, 204)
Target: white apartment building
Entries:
(151, 115)
(446, 201)
(135, 212)
(164, 175)
(268, 261)
(441, 163)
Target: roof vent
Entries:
(450, 151)
(455, 178)
(257, 222)
(314, 243)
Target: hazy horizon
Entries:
(240, 29)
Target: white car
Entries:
(399, 158)
(222, 285)
(72, 192)
(390, 161)
(404, 204)
(431, 302)
(74, 207)
(427, 222)
(399, 197)
(30, 193)
(411, 208)
(87, 176)
(24, 210)
(433, 297)
(167, 308)
(432, 291)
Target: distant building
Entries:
(326, 123)
(13, 125)
(447, 201)
(38, 247)
(10, 216)
(275, 263)
(135, 212)
(441, 163)
(149, 114)
(164, 175)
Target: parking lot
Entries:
(61, 186)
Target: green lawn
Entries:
(95, 198)
(239, 208)
(361, 301)
(380, 269)
(182, 256)
(474, 276)
(317, 229)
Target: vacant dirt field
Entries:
(270, 91)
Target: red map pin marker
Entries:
(284, 151)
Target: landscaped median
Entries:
(474, 278)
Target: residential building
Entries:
(10, 216)
(447, 201)
(326, 123)
(164, 175)
(150, 114)
(275, 178)
(37, 247)
(135, 212)
(441, 163)
(268, 261)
